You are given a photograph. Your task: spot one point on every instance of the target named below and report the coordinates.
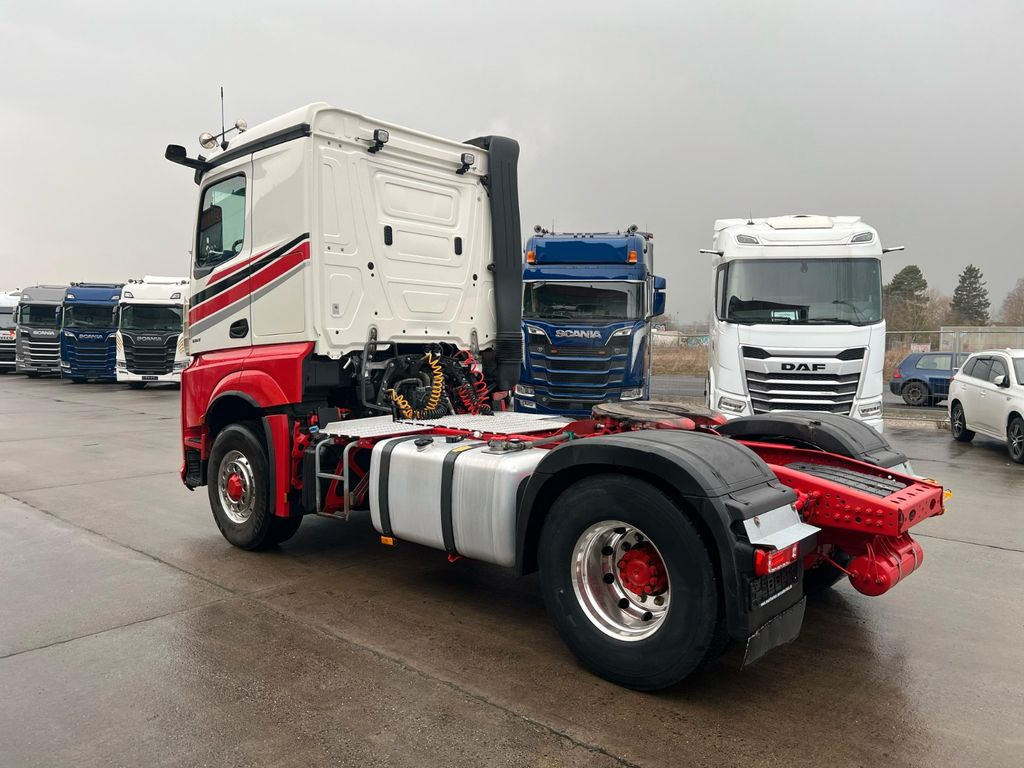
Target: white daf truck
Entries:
(797, 319)
(355, 325)
(150, 342)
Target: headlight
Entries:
(631, 394)
(535, 331)
(121, 365)
(730, 405)
(872, 409)
(524, 390)
(181, 366)
(623, 331)
(528, 404)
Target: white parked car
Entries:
(986, 396)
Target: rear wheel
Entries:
(916, 393)
(628, 582)
(958, 424)
(1015, 439)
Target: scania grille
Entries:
(149, 360)
(832, 388)
(42, 352)
(91, 356)
(577, 378)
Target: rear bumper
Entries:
(780, 629)
(896, 387)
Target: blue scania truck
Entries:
(88, 332)
(588, 302)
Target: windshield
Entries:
(88, 316)
(142, 317)
(808, 291)
(576, 301)
(7, 317)
(37, 314)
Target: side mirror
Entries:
(1000, 380)
(658, 304)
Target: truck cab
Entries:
(150, 345)
(588, 302)
(797, 321)
(37, 345)
(8, 309)
(88, 328)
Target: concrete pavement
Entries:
(131, 633)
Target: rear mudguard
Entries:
(719, 483)
(825, 431)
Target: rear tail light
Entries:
(896, 374)
(766, 561)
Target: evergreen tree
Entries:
(905, 300)
(970, 299)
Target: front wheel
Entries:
(1015, 439)
(238, 486)
(958, 424)
(628, 582)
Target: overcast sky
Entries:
(666, 114)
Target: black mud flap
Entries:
(781, 629)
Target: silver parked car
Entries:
(986, 396)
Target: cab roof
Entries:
(796, 229)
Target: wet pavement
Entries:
(131, 633)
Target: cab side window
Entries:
(221, 230)
(968, 368)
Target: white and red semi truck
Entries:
(354, 323)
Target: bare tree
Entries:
(1012, 311)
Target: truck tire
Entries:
(238, 488)
(283, 528)
(606, 540)
(1015, 439)
(916, 394)
(958, 424)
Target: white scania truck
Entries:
(355, 314)
(797, 320)
(150, 343)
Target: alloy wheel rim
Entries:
(620, 580)
(236, 487)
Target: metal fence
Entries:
(678, 339)
(960, 340)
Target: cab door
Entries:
(219, 307)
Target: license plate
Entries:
(149, 378)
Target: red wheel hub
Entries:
(642, 572)
(234, 488)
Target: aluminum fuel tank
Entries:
(457, 496)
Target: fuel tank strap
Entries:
(447, 480)
(382, 482)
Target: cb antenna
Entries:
(750, 217)
(223, 140)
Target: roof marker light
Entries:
(862, 237)
(128, 295)
(531, 257)
(176, 295)
(747, 240)
(632, 257)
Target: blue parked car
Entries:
(922, 378)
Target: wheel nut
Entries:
(647, 616)
(659, 600)
(609, 578)
(606, 551)
(623, 603)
